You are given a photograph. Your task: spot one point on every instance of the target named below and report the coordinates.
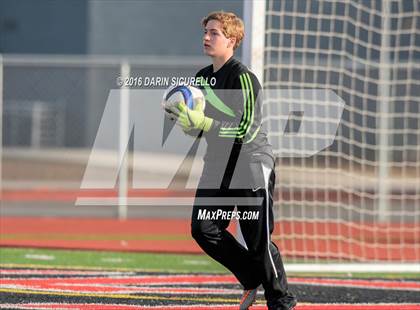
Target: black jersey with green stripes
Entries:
(233, 101)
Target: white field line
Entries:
(40, 257)
(362, 268)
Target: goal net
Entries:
(357, 200)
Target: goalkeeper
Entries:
(232, 121)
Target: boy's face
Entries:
(215, 43)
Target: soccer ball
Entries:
(178, 93)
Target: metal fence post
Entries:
(123, 148)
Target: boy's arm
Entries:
(243, 103)
(244, 113)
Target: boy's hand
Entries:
(192, 119)
(170, 113)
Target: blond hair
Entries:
(232, 25)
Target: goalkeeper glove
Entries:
(169, 113)
(193, 119)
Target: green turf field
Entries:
(24, 257)
(109, 260)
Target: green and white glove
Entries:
(169, 113)
(192, 119)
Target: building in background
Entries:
(62, 103)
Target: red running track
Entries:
(110, 285)
(173, 235)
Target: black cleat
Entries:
(286, 303)
(248, 298)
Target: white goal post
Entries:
(358, 200)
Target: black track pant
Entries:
(261, 262)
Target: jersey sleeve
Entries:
(247, 88)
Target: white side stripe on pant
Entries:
(266, 172)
